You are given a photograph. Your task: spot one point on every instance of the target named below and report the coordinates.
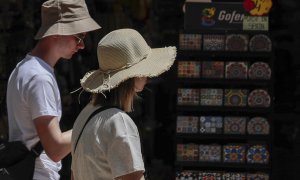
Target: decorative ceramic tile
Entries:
(258, 126)
(258, 154)
(213, 42)
(259, 98)
(189, 69)
(187, 152)
(260, 42)
(188, 96)
(186, 175)
(235, 97)
(190, 41)
(237, 42)
(234, 154)
(187, 124)
(236, 70)
(259, 70)
(233, 176)
(235, 125)
(211, 124)
(211, 97)
(212, 69)
(206, 175)
(210, 153)
(257, 176)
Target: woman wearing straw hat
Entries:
(105, 140)
(33, 97)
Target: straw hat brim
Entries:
(67, 28)
(157, 62)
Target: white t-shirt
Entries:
(32, 92)
(108, 147)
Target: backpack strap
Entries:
(90, 117)
(37, 149)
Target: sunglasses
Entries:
(79, 37)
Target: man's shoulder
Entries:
(32, 70)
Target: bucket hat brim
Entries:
(157, 62)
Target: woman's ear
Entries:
(139, 83)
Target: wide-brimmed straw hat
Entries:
(124, 54)
(65, 17)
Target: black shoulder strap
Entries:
(90, 117)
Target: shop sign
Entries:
(215, 15)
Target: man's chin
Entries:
(67, 57)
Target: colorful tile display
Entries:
(233, 176)
(258, 126)
(211, 124)
(211, 97)
(259, 70)
(187, 124)
(258, 154)
(235, 125)
(236, 70)
(206, 175)
(233, 153)
(217, 69)
(188, 96)
(260, 42)
(213, 42)
(186, 175)
(210, 153)
(259, 98)
(212, 69)
(198, 175)
(236, 42)
(215, 175)
(189, 69)
(235, 97)
(190, 41)
(257, 176)
(187, 152)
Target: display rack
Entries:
(191, 160)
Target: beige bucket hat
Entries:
(65, 17)
(123, 54)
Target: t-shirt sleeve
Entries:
(42, 96)
(124, 149)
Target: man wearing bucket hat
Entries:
(33, 97)
(105, 140)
